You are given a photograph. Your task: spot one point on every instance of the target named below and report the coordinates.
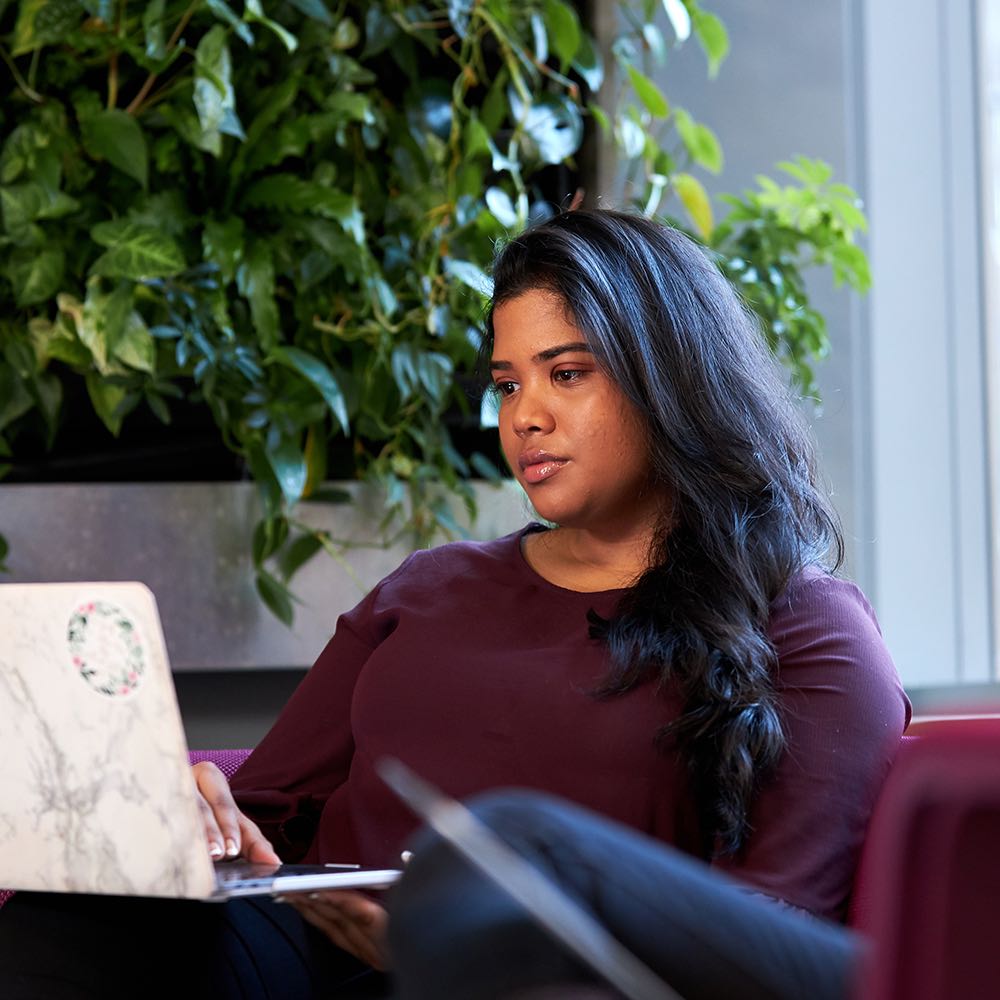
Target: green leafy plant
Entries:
(286, 216)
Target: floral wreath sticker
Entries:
(105, 648)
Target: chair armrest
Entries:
(228, 761)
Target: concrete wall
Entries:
(190, 544)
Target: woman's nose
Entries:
(532, 415)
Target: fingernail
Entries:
(314, 895)
(281, 899)
(232, 848)
(405, 857)
(215, 850)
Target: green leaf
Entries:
(23, 204)
(713, 38)
(23, 151)
(470, 274)
(311, 368)
(48, 393)
(20, 355)
(15, 399)
(254, 13)
(135, 346)
(654, 40)
(811, 172)
(135, 251)
(117, 137)
(298, 554)
(113, 332)
(501, 206)
(288, 193)
(329, 494)
(563, 30)
(540, 37)
(107, 398)
(62, 344)
(695, 199)
(315, 9)
(850, 264)
(269, 535)
(404, 370)
(459, 12)
(477, 139)
(289, 467)
(157, 405)
(600, 116)
(649, 93)
(223, 242)
(588, 63)
(346, 35)
(255, 280)
(381, 30)
(700, 141)
(443, 515)
(101, 322)
(435, 373)
(152, 27)
(276, 596)
(350, 106)
(267, 486)
(42, 22)
(214, 97)
(631, 138)
(554, 124)
(35, 274)
(4, 547)
(680, 19)
(225, 13)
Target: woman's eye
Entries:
(504, 388)
(568, 375)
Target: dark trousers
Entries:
(454, 934)
(67, 947)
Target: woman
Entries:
(670, 652)
(681, 600)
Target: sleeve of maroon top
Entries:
(307, 753)
(844, 711)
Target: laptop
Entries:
(555, 911)
(96, 793)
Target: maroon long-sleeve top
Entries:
(479, 673)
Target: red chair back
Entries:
(929, 883)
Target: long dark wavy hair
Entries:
(730, 446)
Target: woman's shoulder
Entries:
(816, 597)
(826, 635)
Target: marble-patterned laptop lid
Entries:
(96, 794)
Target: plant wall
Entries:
(285, 213)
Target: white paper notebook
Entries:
(96, 794)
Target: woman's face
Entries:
(570, 436)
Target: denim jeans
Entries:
(454, 934)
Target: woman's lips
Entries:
(538, 466)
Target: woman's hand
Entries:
(229, 833)
(349, 919)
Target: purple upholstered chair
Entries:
(930, 874)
